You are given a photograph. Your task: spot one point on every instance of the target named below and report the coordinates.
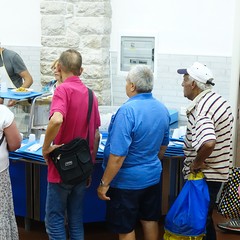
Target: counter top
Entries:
(33, 151)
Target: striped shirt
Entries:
(210, 118)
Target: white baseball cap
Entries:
(199, 72)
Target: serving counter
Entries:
(29, 186)
(28, 173)
(28, 169)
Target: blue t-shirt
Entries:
(138, 130)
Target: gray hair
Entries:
(202, 86)
(142, 77)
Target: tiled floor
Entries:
(98, 231)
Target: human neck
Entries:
(67, 75)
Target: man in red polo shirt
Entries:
(68, 120)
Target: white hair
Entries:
(202, 86)
(142, 76)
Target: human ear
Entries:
(80, 71)
(133, 87)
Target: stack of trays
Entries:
(175, 147)
(31, 151)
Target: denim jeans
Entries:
(65, 200)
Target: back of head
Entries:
(142, 77)
(71, 61)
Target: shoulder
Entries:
(8, 116)
(4, 109)
(14, 58)
(9, 53)
(213, 99)
(126, 111)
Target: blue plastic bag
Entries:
(188, 214)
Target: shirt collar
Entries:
(72, 79)
(140, 96)
(196, 100)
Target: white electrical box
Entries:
(137, 50)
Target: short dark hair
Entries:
(71, 61)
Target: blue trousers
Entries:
(65, 201)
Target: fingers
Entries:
(102, 191)
(89, 181)
(11, 103)
(194, 168)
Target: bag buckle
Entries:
(59, 156)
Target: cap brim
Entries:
(182, 71)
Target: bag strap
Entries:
(90, 103)
(1, 140)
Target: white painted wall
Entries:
(20, 22)
(183, 27)
(195, 27)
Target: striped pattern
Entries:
(210, 119)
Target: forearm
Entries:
(113, 167)
(204, 152)
(52, 129)
(28, 81)
(162, 152)
(13, 137)
(96, 143)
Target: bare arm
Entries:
(162, 152)
(114, 164)
(28, 81)
(204, 152)
(51, 132)
(95, 150)
(13, 137)
(96, 143)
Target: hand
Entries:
(89, 181)
(101, 191)
(46, 151)
(11, 103)
(197, 167)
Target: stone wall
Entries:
(83, 25)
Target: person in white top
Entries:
(10, 140)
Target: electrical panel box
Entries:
(137, 50)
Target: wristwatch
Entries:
(102, 184)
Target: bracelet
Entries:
(102, 184)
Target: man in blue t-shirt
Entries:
(138, 136)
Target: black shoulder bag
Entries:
(73, 160)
